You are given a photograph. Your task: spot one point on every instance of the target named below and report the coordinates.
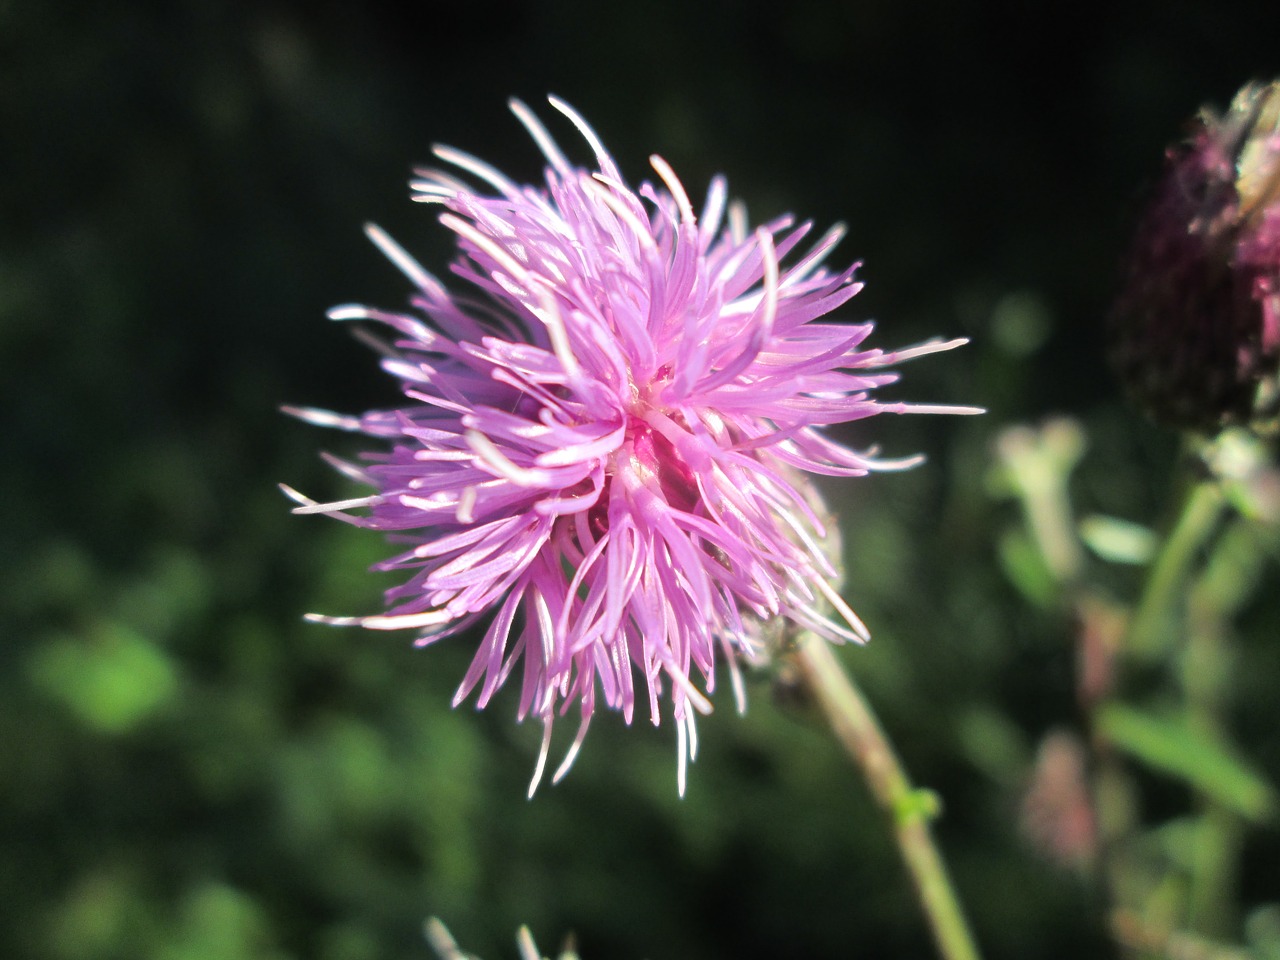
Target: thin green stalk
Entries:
(1217, 596)
(1148, 635)
(908, 809)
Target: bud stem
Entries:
(1148, 635)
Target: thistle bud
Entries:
(1195, 332)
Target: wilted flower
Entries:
(604, 444)
(1196, 330)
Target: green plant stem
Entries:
(1148, 636)
(1229, 579)
(1152, 631)
(908, 809)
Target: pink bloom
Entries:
(602, 446)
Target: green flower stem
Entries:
(908, 809)
(1228, 580)
(1149, 635)
(1116, 806)
(1215, 862)
(1154, 628)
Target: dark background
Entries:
(189, 771)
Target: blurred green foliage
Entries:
(190, 771)
(1171, 746)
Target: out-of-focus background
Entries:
(188, 771)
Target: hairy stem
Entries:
(908, 809)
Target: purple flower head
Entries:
(1196, 329)
(602, 447)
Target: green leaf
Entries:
(113, 680)
(1116, 540)
(1024, 565)
(1204, 761)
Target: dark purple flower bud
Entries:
(1196, 329)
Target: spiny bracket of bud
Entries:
(1195, 332)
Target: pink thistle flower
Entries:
(603, 447)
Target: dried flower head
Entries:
(1196, 329)
(603, 447)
